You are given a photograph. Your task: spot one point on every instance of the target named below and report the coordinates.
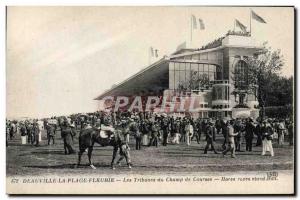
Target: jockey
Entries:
(106, 126)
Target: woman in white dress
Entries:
(267, 137)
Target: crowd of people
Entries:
(154, 129)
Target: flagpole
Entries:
(234, 25)
(250, 22)
(191, 31)
(149, 55)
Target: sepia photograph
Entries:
(150, 100)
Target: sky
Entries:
(58, 59)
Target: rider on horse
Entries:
(105, 135)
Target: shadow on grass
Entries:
(67, 166)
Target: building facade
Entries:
(214, 75)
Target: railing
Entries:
(219, 82)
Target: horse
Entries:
(106, 137)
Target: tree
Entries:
(196, 82)
(261, 68)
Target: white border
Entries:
(4, 3)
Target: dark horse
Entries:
(110, 137)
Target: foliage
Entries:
(261, 68)
(196, 82)
(279, 111)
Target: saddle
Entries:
(106, 132)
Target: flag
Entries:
(202, 26)
(194, 22)
(156, 53)
(257, 17)
(151, 51)
(240, 25)
(181, 46)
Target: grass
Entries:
(43, 160)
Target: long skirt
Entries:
(267, 146)
(145, 140)
(188, 139)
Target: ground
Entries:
(45, 160)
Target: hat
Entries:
(164, 115)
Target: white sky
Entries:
(60, 58)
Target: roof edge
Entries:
(133, 76)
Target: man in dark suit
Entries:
(36, 132)
(210, 132)
(249, 134)
(51, 131)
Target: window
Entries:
(218, 72)
(205, 68)
(181, 76)
(194, 67)
(188, 75)
(196, 57)
(204, 56)
(176, 66)
(188, 57)
(192, 76)
(171, 79)
(182, 66)
(241, 75)
(171, 66)
(220, 92)
(200, 67)
(176, 80)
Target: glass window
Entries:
(181, 76)
(200, 67)
(203, 56)
(171, 79)
(220, 93)
(176, 65)
(211, 76)
(171, 66)
(187, 75)
(212, 68)
(196, 57)
(194, 67)
(214, 93)
(226, 92)
(194, 80)
(188, 57)
(187, 66)
(212, 56)
(205, 67)
(176, 81)
(182, 66)
(241, 75)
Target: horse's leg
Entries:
(115, 151)
(120, 159)
(65, 146)
(79, 157)
(90, 150)
(126, 155)
(127, 158)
